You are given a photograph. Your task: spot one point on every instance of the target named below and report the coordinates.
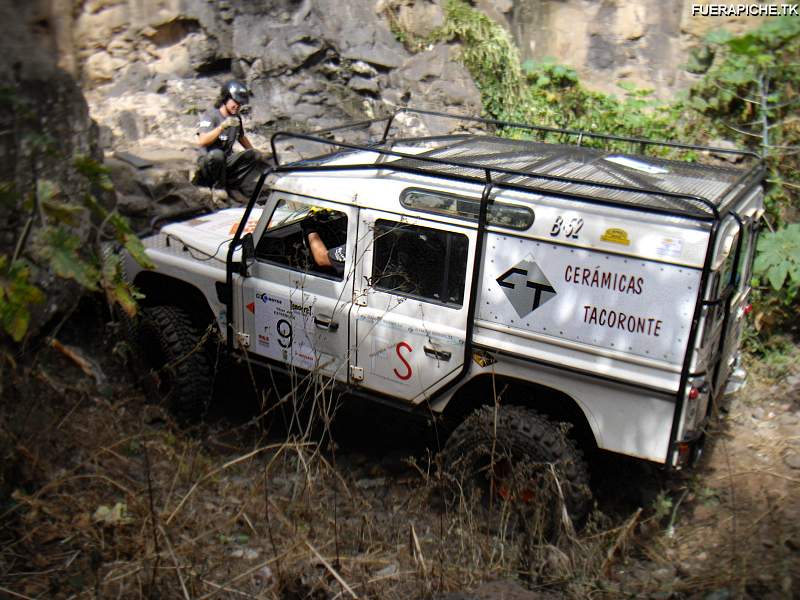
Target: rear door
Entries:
(412, 298)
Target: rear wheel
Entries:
(173, 351)
(520, 462)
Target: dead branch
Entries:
(177, 563)
(621, 539)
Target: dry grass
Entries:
(236, 511)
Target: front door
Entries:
(412, 296)
(295, 310)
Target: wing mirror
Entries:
(248, 254)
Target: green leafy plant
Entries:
(17, 294)
(54, 239)
(778, 260)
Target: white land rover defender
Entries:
(550, 282)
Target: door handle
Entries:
(439, 354)
(326, 324)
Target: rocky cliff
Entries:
(645, 42)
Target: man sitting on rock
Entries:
(219, 127)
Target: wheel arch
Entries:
(159, 289)
(548, 401)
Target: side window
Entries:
(305, 237)
(425, 263)
(746, 257)
(727, 270)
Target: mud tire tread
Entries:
(179, 341)
(522, 431)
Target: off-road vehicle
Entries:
(507, 283)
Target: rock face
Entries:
(310, 64)
(151, 67)
(44, 124)
(607, 41)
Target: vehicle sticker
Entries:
(249, 228)
(391, 360)
(284, 327)
(198, 222)
(407, 372)
(526, 287)
(672, 247)
(483, 358)
(616, 236)
(589, 297)
(568, 226)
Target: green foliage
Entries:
(750, 95)
(778, 260)
(16, 296)
(58, 244)
(491, 57)
(60, 248)
(547, 93)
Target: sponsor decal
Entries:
(252, 308)
(249, 228)
(616, 236)
(483, 358)
(672, 247)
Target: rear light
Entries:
(694, 393)
(748, 309)
(684, 452)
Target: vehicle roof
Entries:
(567, 170)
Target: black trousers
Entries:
(236, 171)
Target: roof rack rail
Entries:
(673, 202)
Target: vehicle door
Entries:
(740, 265)
(412, 302)
(293, 310)
(722, 318)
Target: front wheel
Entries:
(515, 459)
(179, 370)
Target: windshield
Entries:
(288, 212)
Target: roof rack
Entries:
(569, 170)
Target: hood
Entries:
(211, 233)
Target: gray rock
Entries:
(436, 80)
(363, 85)
(792, 459)
(128, 122)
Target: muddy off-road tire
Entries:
(504, 460)
(177, 363)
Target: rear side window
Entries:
(511, 216)
(421, 262)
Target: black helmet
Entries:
(237, 90)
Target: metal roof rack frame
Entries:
(687, 205)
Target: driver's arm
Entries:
(319, 251)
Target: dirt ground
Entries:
(104, 496)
